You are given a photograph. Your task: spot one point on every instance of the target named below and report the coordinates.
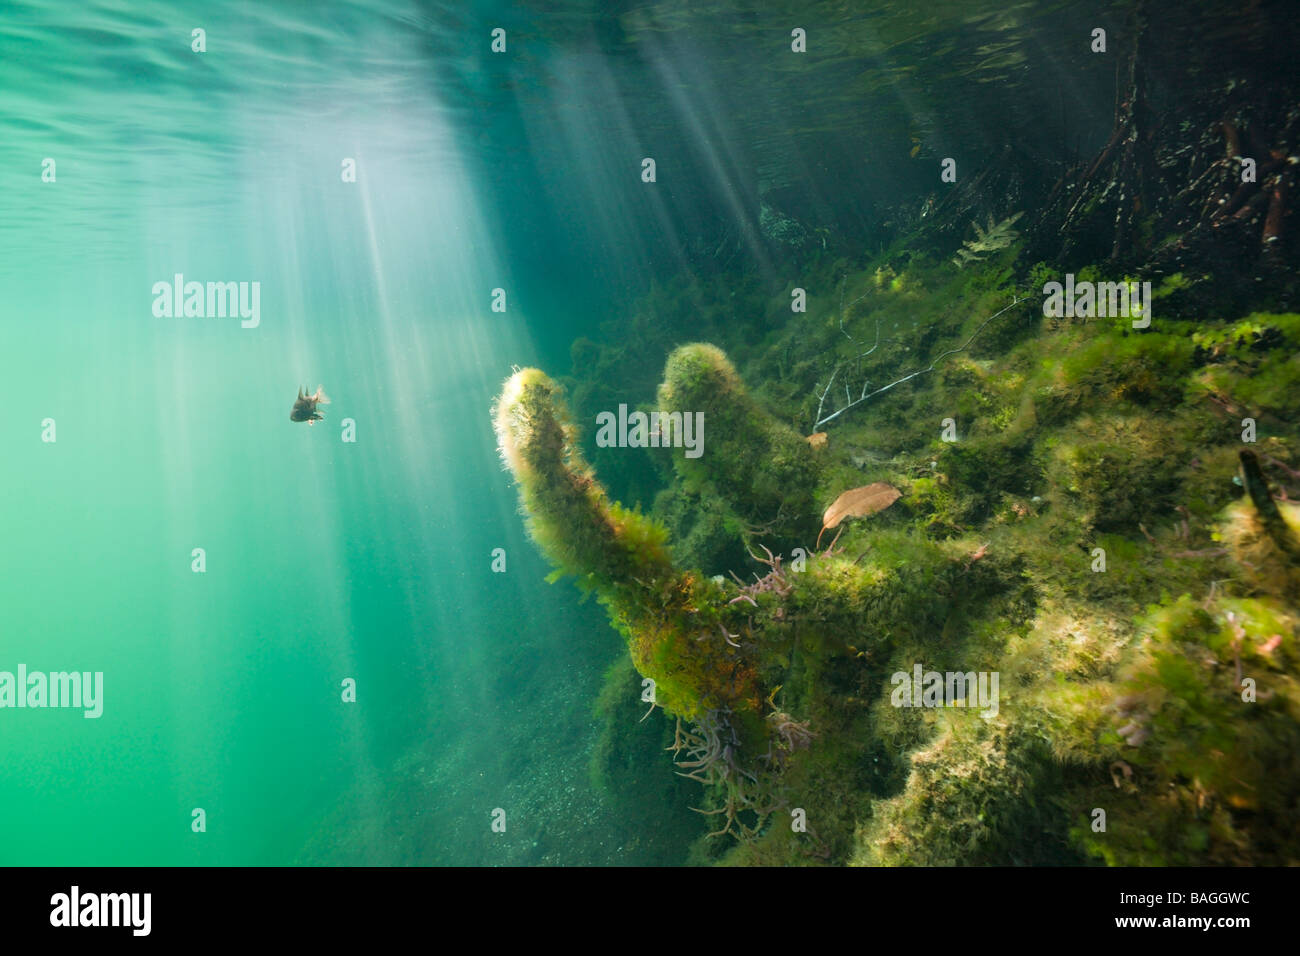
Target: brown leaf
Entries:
(857, 502)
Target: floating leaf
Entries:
(858, 502)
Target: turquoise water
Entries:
(326, 560)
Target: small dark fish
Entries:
(304, 409)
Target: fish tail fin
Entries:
(320, 395)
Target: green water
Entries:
(327, 560)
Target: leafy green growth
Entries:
(997, 237)
(1083, 538)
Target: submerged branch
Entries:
(906, 378)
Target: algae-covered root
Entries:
(673, 620)
(762, 467)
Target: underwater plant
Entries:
(718, 653)
(996, 237)
(681, 631)
(1081, 437)
(760, 465)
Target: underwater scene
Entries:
(650, 433)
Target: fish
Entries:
(304, 409)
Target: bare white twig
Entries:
(906, 378)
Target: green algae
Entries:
(761, 467)
(617, 553)
(1083, 537)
